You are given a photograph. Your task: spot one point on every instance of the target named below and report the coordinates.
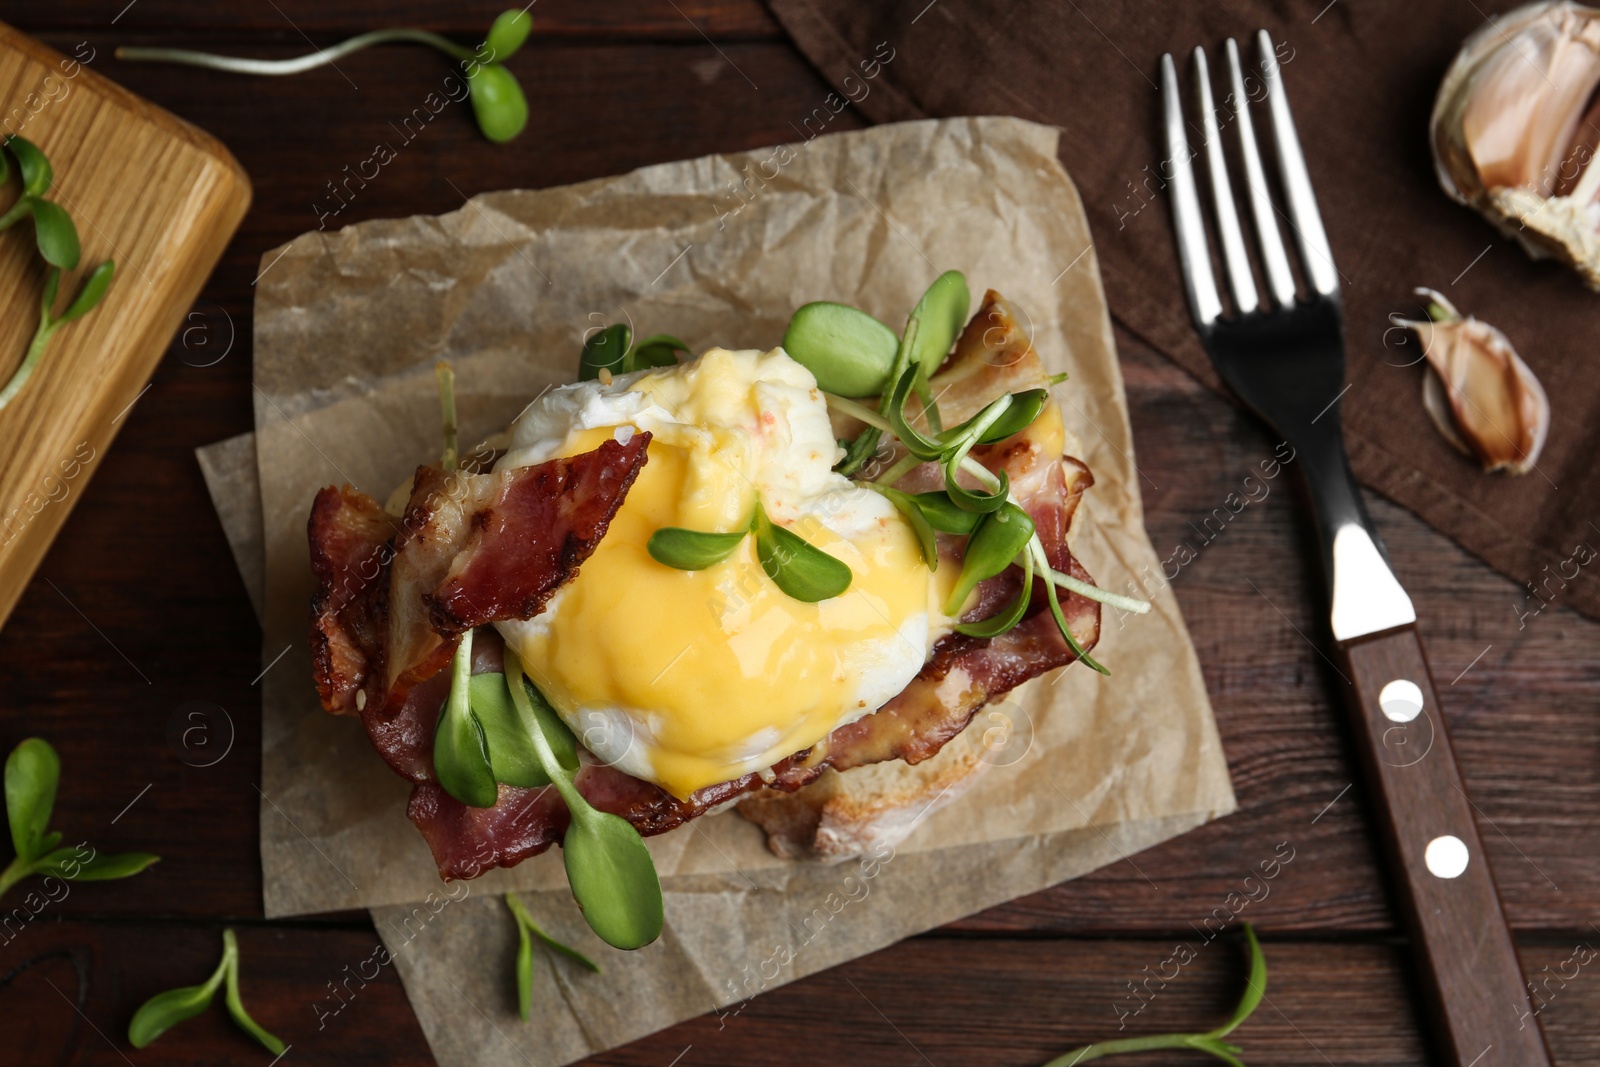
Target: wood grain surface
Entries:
(164, 233)
(137, 612)
(1471, 983)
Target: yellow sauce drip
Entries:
(719, 671)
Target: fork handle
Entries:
(1472, 983)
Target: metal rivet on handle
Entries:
(1401, 701)
(1446, 856)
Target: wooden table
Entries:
(138, 610)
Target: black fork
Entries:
(1284, 357)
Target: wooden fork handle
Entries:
(1472, 982)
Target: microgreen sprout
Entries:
(460, 749)
(507, 755)
(611, 350)
(692, 550)
(497, 728)
(481, 740)
(848, 351)
(843, 346)
(497, 98)
(165, 1010)
(512, 756)
(1210, 1042)
(939, 315)
(445, 375)
(56, 238)
(1001, 621)
(796, 566)
(911, 511)
(33, 771)
(611, 873)
(527, 932)
(999, 538)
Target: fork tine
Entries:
(1274, 258)
(1240, 280)
(1313, 239)
(1193, 253)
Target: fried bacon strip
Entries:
(502, 573)
(963, 675)
(349, 534)
(393, 596)
(390, 604)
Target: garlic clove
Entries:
(1514, 130)
(1437, 405)
(1479, 393)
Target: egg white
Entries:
(787, 451)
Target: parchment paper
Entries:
(717, 250)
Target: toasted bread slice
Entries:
(846, 814)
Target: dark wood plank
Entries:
(69, 990)
(595, 109)
(1020, 1001)
(292, 21)
(142, 570)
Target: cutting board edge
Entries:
(225, 204)
(187, 131)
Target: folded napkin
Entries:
(1361, 78)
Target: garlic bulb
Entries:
(1514, 130)
(1479, 393)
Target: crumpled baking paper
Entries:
(718, 251)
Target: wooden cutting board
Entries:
(147, 190)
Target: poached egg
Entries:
(693, 678)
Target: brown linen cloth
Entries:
(1362, 79)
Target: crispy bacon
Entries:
(472, 549)
(502, 573)
(963, 674)
(525, 822)
(349, 534)
(375, 632)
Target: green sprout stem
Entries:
(41, 341)
(900, 469)
(1042, 561)
(32, 777)
(447, 409)
(846, 406)
(56, 238)
(165, 1010)
(17, 211)
(1084, 589)
(855, 410)
(1439, 313)
(15, 872)
(298, 64)
(1210, 1042)
(1198, 1042)
(497, 98)
(90, 294)
(1094, 592)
